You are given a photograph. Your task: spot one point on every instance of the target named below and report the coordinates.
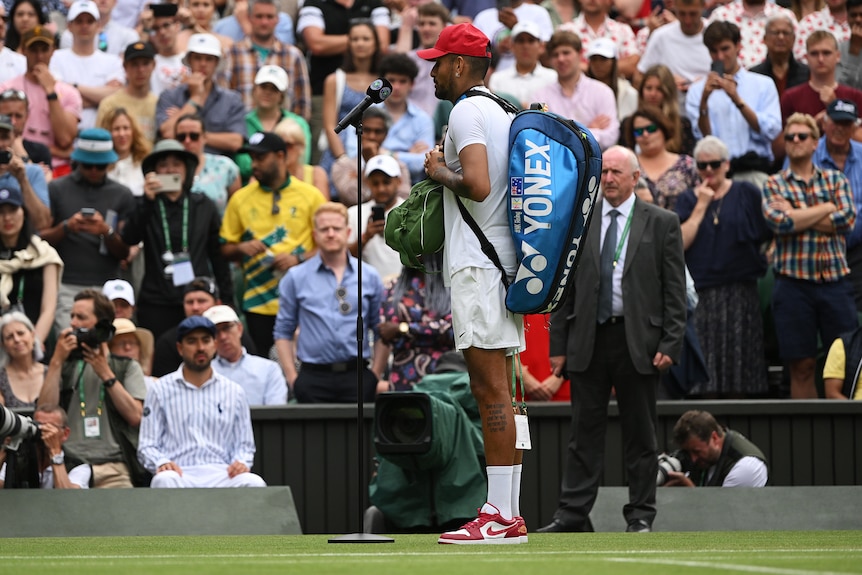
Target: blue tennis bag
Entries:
(555, 166)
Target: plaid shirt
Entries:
(242, 63)
(810, 254)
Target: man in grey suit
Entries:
(620, 327)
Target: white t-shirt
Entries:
(168, 73)
(522, 86)
(12, 64)
(385, 260)
(686, 56)
(479, 120)
(96, 69)
(79, 475)
(747, 472)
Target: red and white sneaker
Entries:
(487, 529)
(522, 529)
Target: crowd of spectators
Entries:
(182, 159)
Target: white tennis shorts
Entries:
(479, 315)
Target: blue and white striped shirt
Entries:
(195, 425)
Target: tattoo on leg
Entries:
(496, 417)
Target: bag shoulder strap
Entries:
(505, 104)
(487, 247)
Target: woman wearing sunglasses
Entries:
(667, 173)
(723, 229)
(216, 176)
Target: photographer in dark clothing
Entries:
(715, 456)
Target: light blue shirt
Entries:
(192, 425)
(414, 126)
(36, 177)
(307, 300)
(262, 379)
(853, 171)
(230, 27)
(727, 122)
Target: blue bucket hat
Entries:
(94, 146)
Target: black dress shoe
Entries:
(638, 526)
(557, 526)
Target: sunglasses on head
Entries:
(193, 136)
(13, 94)
(714, 164)
(651, 129)
(801, 135)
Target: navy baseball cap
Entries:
(192, 323)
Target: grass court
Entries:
(765, 553)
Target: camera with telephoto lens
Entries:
(101, 333)
(666, 464)
(16, 426)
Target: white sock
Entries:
(516, 490)
(499, 491)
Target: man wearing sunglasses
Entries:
(811, 212)
(88, 209)
(170, 67)
(13, 103)
(320, 298)
(267, 227)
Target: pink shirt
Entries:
(38, 127)
(820, 20)
(590, 99)
(751, 27)
(621, 34)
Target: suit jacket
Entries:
(653, 288)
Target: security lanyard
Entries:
(81, 392)
(168, 246)
(622, 241)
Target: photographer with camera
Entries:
(57, 469)
(711, 456)
(108, 393)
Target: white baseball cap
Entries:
(527, 27)
(221, 314)
(384, 163)
(602, 47)
(203, 44)
(119, 289)
(83, 7)
(274, 75)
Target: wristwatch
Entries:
(58, 459)
(110, 382)
(404, 327)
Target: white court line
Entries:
(448, 551)
(727, 566)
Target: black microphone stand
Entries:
(359, 536)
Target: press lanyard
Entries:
(168, 247)
(81, 392)
(622, 241)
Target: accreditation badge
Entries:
(92, 429)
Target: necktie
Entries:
(606, 270)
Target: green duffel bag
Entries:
(415, 228)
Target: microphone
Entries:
(378, 91)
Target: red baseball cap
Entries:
(462, 39)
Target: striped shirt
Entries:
(810, 254)
(242, 63)
(192, 425)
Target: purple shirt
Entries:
(590, 99)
